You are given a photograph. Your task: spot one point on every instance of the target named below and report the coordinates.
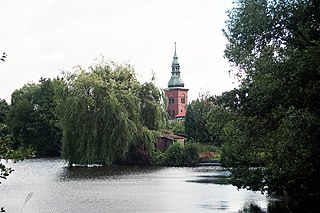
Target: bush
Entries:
(178, 128)
(177, 155)
(191, 154)
(157, 157)
(174, 156)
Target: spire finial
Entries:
(175, 57)
(175, 49)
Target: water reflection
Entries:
(211, 175)
(57, 188)
(274, 206)
(104, 172)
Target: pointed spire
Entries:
(175, 50)
(175, 57)
(175, 80)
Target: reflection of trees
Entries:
(104, 172)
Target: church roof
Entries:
(175, 81)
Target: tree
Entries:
(152, 105)
(4, 109)
(101, 116)
(272, 126)
(32, 118)
(7, 150)
(178, 128)
(178, 155)
(4, 141)
(196, 120)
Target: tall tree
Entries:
(196, 120)
(152, 105)
(32, 118)
(274, 120)
(101, 115)
(7, 150)
(4, 109)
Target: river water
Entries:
(53, 187)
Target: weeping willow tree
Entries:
(101, 113)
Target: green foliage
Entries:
(107, 117)
(178, 127)
(191, 154)
(152, 114)
(141, 148)
(32, 118)
(157, 157)
(206, 147)
(270, 124)
(178, 155)
(174, 156)
(7, 152)
(196, 120)
(4, 109)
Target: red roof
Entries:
(181, 114)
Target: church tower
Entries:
(176, 94)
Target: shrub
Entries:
(174, 156)
(191, 154)
(177, 155)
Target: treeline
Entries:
(101, 115)
(268, 128)
(30, 121)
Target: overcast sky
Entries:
(43, 38)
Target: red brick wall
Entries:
(176, 107)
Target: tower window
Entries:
(183, 99)
(171, 100)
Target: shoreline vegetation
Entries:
(266, 131)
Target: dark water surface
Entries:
(57, 188)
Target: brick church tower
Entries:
(176, 94)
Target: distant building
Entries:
(167, 139)
(176, 94)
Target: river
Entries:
(53, 187)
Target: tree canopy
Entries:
(32, 118)
(107, 116)
(196, 120)
(270, 125)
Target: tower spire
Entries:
(176, 93)
(175, 56)
(175, 80)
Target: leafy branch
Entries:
(3, 57)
